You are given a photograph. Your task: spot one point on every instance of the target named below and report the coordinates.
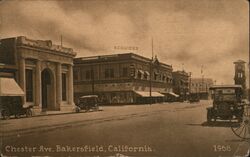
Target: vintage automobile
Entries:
(227, 103)
(87, 102)
(194, 99)
(10, 106)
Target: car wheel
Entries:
(77, 109)
(239, 119)
(97, 108)
(17, 115)
(28, 113)
(215, 119)
(6, 114)
(209, 116)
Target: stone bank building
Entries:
(42, 70)
(122, 78)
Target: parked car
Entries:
(87, 102)
(227, 103)
(10, 106)
(194, 99)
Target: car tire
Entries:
(215, 119)
(239, 119)
(209, 116)
(17, 115)
(28, 113)
(6, 114)
(77, 109)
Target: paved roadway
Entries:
(162, 130)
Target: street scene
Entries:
(121, 78)
(164, 129)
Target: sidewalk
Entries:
(16, 127)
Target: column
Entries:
(38, 84)
(70, 85)
(22, 82)
(58, 85)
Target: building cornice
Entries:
(44, 45)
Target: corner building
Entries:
(122, 78)
(42, 70)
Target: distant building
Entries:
(181, 84)
(199, 87)
(122, 78)
(42, 70)
(240, 75)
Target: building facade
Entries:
(240, 75)
(199, 87)
(122, 78)
(42, 70)
(181, 84)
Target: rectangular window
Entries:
(29, 85)
(145, 76)
(64, 87)
(155, 76)
(124, 72)
(109, 73)
(76, 74)
(82, 73)
(106, 73)
(88, 74)
(112, 74)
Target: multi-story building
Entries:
(42, 70)
(199, 87)
(122, 78)
(181, 84)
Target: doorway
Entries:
(47, 90)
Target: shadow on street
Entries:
(217, 124)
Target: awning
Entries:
(9, 87)
(141, 71)
(175, 95)
(147, 73)
(147, 94)
(156, 73)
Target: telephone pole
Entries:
(150, 82)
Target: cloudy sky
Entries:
(186, 33)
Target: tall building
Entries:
(42, 70)
(240, 74)
(199, 87)
(181, 84)
(122, 78)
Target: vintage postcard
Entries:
(124, 78)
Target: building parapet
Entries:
(114, 57)
(44, 44)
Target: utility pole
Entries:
(190, 81)
(249, 76)
(202, 80)
(151, 69)
(92, 79)
(61, 41)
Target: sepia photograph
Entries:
(124, 78)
